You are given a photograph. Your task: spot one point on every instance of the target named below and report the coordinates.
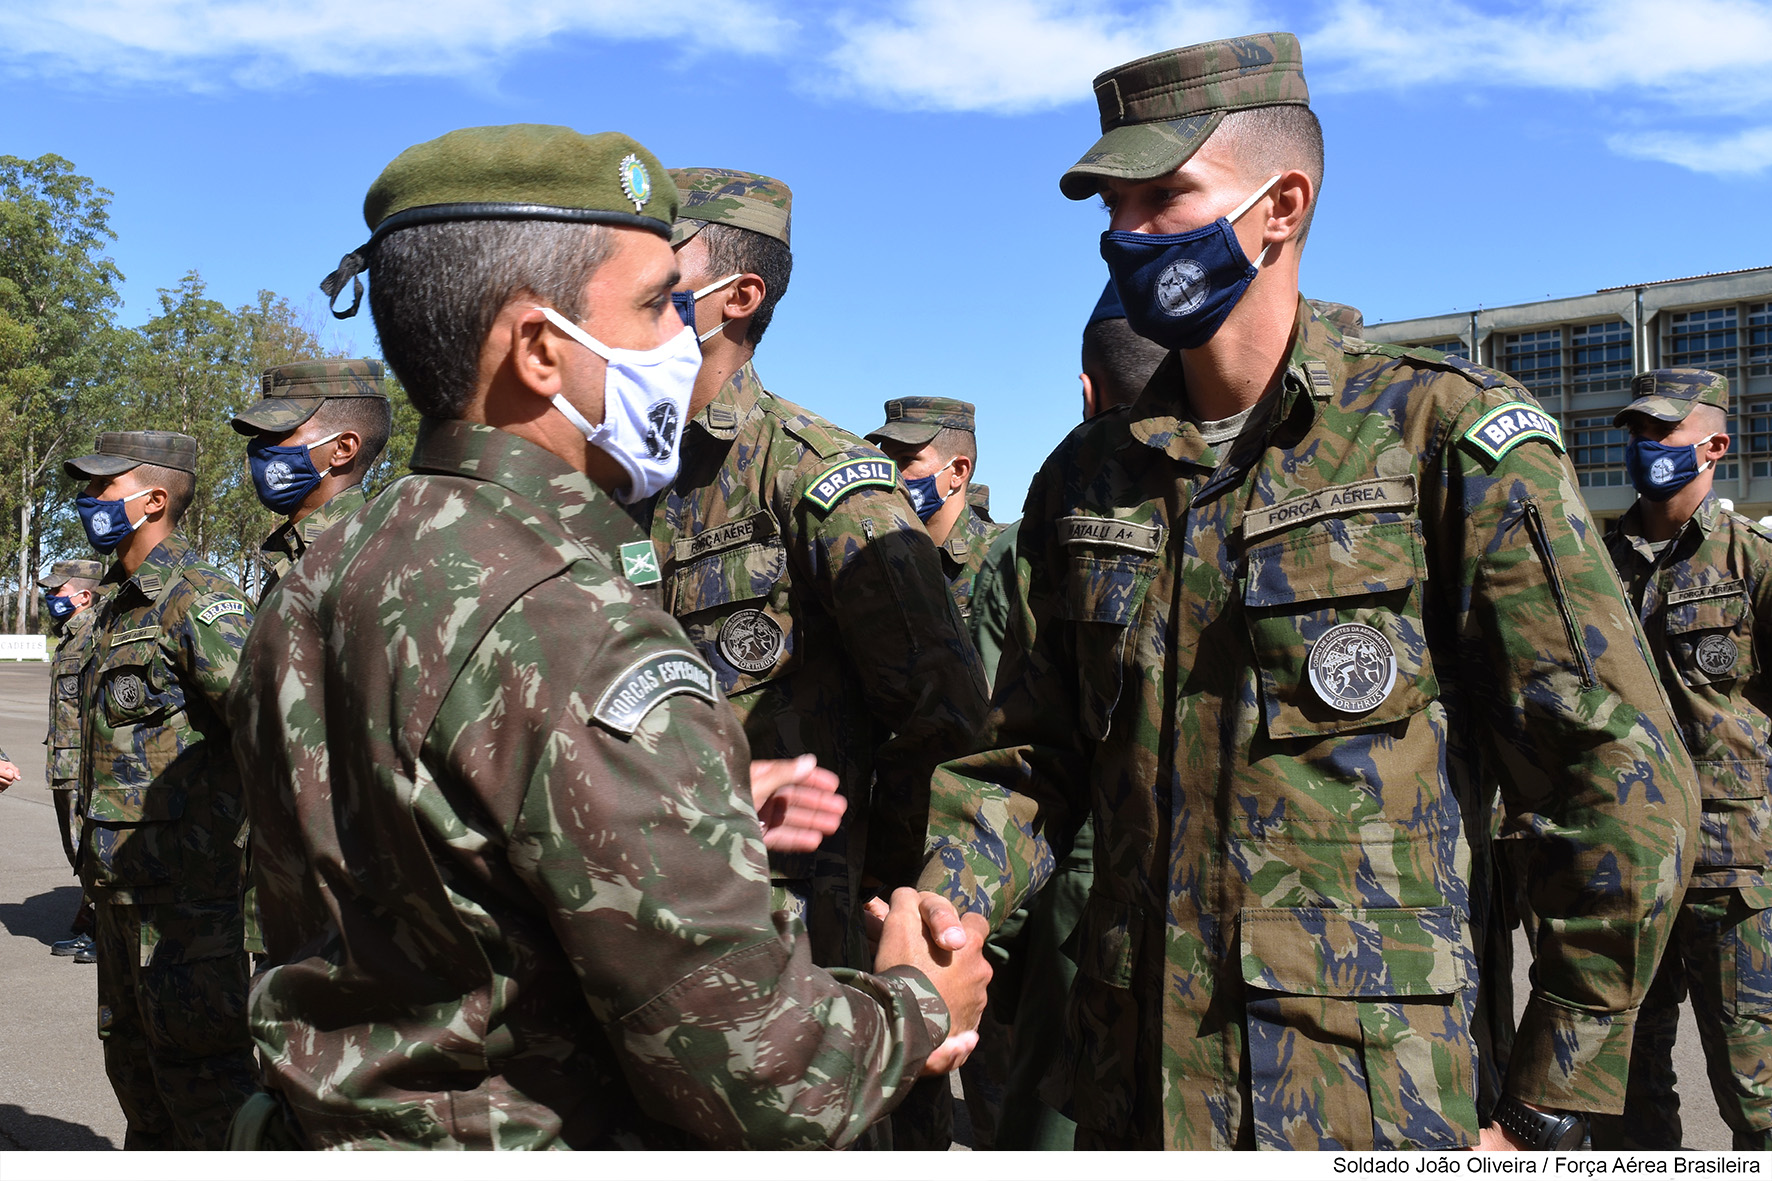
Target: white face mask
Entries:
(645, 402)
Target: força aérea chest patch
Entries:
(1509, 425)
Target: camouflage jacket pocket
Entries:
(733, 604)
(134, 687)
(1334, 616)
(136, 805)
(1710, 638)
(1102, 596)
(1359, 1028)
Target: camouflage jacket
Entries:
(792, 558)
(163, 820)
(1706, 607)
(290, 540)
(515, 894)
(992, 623)
(1276, 952)
(963, 554)
(63, 740)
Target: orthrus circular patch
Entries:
(1716, 655)
(751, 641)
(1353, 668)
(128, 691)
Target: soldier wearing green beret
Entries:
(162, 817)
(71, 591)
(1700, 577)
(337, 410)
(505, 827)
(1284, 610)
(787, 549)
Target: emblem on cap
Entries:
(1182, 287)
(1353, 668)
(1716, 655)
(634, 181)
(128, 691)
(750, 641)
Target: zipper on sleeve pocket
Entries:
(1541, 542)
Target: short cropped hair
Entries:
(734, 250)
(371, 418)
(74, 586)
(950, 441)
(180, 486)
(1118, 360)
(436, 289)
(1269, 140)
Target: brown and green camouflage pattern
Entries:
(497, 915)
(290, 394)
(62, 766)
(963, 555)
(62, 572)
(1670, 394)
(747, 200)
(872, 673)
(1158, 110)
(918, 420)
(121, 451)
(290, 540)
(162, 847)
(1277, 950)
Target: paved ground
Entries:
(53, 1091)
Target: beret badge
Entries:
(634, 181)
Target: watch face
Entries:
(1573, 1130)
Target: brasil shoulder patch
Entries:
(846, 477)
(1510, 424)
(215, 611)
(648, 681)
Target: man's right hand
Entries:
(959, 974)
(8, 774)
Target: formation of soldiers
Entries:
(659, 764)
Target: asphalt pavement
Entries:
(53, 1090)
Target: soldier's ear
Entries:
(962, 470)
(345, 449)
(1293, 195)
(745, 296)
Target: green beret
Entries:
(747, 200)
(1158, 110)
(523, 172)
(1670, 394)
(917, 420)
(290, 394)
(122, 451)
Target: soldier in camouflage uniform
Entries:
(934, 442)
(1250, 661)
(71, 592)
(163, 823)
(787, 549)
(514, 888)
(1701, 579)
(338, 405)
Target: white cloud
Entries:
(1744, 153)
(260, 43)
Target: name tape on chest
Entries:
(1714, 590)
(846, 477)
(220, 609)
(1106, 531)
(134, 634)
(1386, 494)
(639, 563)
(731, 535)
(648, 681)
(1506, 427)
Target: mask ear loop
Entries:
(1249, 203)
(709, 290)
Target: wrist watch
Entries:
(1545, 1131)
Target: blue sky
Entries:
(1477, 154)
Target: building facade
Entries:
(1578, 355)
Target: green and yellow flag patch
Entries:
(1509, 425)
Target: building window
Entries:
(1536, 359)
(1759, 338)
(1452, 348)
(1600, 357)
(1703, 339)
(1597, 452)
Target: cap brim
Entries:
(684, 229)
(914, 433)
(50, 582)
(90, 467)
(275, 416)
(1662, 409)
(1138, 151)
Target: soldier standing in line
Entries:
(70, 593)
(1249, 659)
(338, 406)
(514, 886)
(788, 552)
(1700, 576)
(163, 824)
(934, 442)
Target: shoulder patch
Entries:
(648, 681)
(1510, 424)
(837, 482)
(639, 563)
(219, 609)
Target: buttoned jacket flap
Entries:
(1314, 951)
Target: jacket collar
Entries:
(732, 405)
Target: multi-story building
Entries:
(1577, 355)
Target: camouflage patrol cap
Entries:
(747, 200)
(522, 172)
(290, 394)
(918, 420)
(1347, 319)
(65, 572)
(122, 451)
(1158, 110)
(1670, 394)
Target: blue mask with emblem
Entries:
(1177, 289)
(60, 606)
(1657, 471)
(926, 501)
(107, 522)
(283, 476)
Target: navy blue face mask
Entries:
(684, 302)
(60, 606)
(283, 476)
(925, 500)
(1657, 471)
(1178, 288)
(107, 522)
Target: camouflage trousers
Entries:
(62, 792)
(172, 1016)
(1721, 955)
